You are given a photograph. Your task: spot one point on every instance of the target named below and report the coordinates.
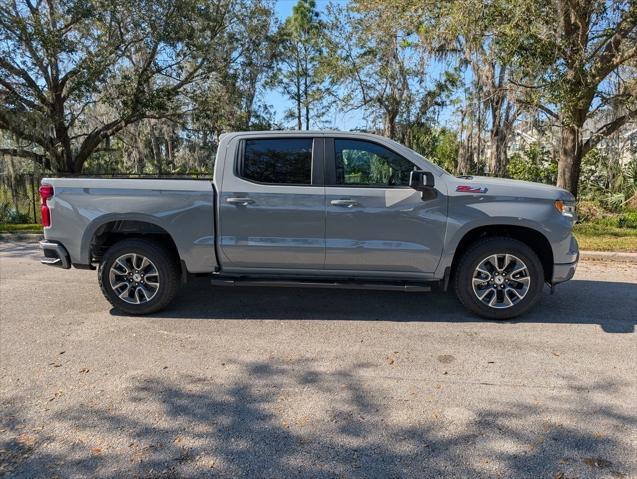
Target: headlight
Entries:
(565, 209)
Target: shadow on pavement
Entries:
(20, 249)
(345, 426)
(609, 305)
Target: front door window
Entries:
(362, 163)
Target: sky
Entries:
(279, 103)
(335, 119)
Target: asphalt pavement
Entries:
(278, 383)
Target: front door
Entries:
(272, 213)
(375, 222)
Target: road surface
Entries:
(314, 383)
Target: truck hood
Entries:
(508, 187)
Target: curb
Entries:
(609, 256)
(27, 237)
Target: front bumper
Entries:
(565, 271)
(54, 254)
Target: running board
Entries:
(290, 283)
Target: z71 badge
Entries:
(471, 189)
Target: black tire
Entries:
(471, 259)
(167, 271)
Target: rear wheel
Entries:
(139, 276)
(499, 278)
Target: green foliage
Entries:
(376, 64)
(627, 220)
(604, 179)
(77, 73)
(439, 145)
(599, 237)
(20, 227)
(612, 223)
(299, 56)
(8, 214)
(533, 164)
(147, 87)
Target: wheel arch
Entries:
(99, 236)
(533, 238)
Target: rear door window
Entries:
(282, 161)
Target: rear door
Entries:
(375, 222)
(272, 205)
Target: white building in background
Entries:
(622, 144)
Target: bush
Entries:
(8, 214)
(627, 220)
(604, 179)
(533, 164)
(589, 211)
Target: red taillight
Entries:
(46, 192)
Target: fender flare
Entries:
(93, 226)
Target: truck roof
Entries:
(349, 134)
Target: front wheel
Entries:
(499, 278)
(139, 276)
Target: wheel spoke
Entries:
(119, 285)
(525, 281)
(518, 270)
(123, 264)
(486, 291)
(493, 271)
(136, 294)
(481, 270)
(134, 278)
(150, 270)
(494, 299)
(144, 292)
(144, 265)
(507, 261)
(493, 259)
(515, 291)
(507, 301)
(125, 294)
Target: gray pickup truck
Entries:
(316, 209)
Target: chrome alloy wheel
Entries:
(501, 281)
(134, 278)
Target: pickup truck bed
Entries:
(85, 211)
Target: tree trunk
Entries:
(465, 156)
(66, 164)
(156, 151)
(306, 97)
(568, 168)
(12, 185)
(498, 154)
(390, 124)
(299, 118)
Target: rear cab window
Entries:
(277, 161)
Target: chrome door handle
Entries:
(345, 203)
(240, 201)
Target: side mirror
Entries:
(421, 180)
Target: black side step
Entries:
(300, 283)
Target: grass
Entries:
(599, 237)
(593, 236)
(20, 228)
